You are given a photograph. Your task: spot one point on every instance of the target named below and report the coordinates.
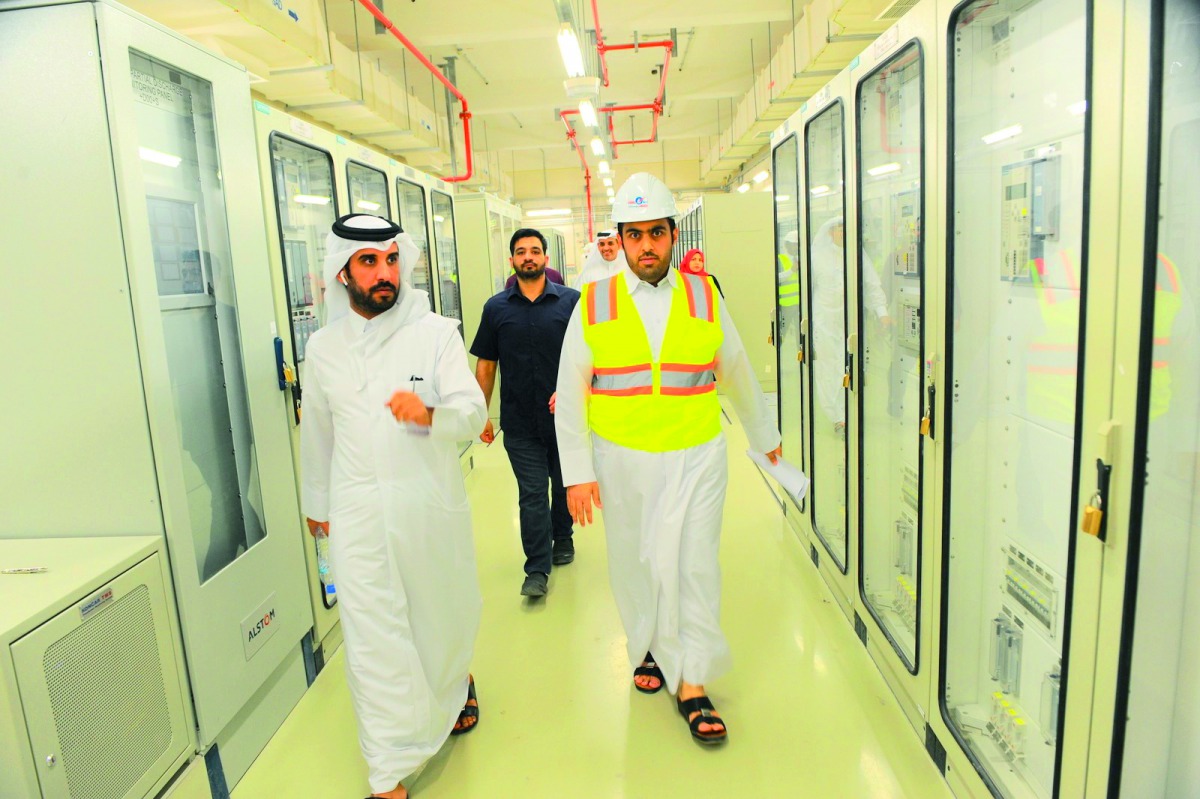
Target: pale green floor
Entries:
(808, 713)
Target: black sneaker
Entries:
(564, 552)
(535, 585)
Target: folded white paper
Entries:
(789, 477)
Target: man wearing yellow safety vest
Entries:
(639, 428)
(789, 281)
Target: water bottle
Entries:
(324, 570)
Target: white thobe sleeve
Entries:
(736, 376)
(875, 299)
(316, 449)
(460, 413)
(571, 406)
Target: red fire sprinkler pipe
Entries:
(464, 115)
(587, 174)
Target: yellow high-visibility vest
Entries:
(789, 283)
(648, 405)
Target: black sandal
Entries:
(468, 712)
(705, 707)
(649, 669)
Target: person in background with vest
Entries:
(605, 259)
(521, 332)
(788, 282)
(639, 430)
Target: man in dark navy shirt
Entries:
(522, 331)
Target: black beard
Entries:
(652, 274)
(366, 301)
(528, 276)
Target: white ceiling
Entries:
(509, 68)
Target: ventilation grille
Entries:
(898, 9)
(109, 700)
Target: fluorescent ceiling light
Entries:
(883, 169)
(587, 112)
(608, 182)
(819, 191)
(549, 212)
(572, 56)
(1077, 109)
(155, 157)
(1002, 134)
(367, 205)
(742, 189)
(761, 176)
(439, 219)
(597, 146)
(310, 199)
(782, 198)
(603, 167)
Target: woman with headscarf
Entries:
(828, 277)
(693, 263)
(387, 396)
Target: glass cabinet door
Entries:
(1157, 725)
(1015, 300)
(416, 224)
(368, 190)
(891, 390)
(824, 159)
(305, 207)
(193, 265)
(785, 166)
(498, 244)
(446, 242)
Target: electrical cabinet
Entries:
(92, 682)
(167, 418)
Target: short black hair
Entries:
(670, 224)
(525, 233)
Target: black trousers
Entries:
(535, 463)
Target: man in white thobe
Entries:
(604, 260)
(387, 396)
(662, 503)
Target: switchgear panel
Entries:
(906, 232)
(1029, 211)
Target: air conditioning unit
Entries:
(92, 695)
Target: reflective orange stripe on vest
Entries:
(686, 379)
(700, 298)
(602, 301)
(623, 381)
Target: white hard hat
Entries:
(792, 238)
(643, 197)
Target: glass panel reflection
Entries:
(447, 255)
(304, 192)
(824, 150)
(1162, 733)
(785, 166)
(368, 191)
(1015, 300)
(498, 234)
(891, 401)
(416, 224)
(185, 203)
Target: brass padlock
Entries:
(846, 380)
(1092, 517)
(924, 425)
